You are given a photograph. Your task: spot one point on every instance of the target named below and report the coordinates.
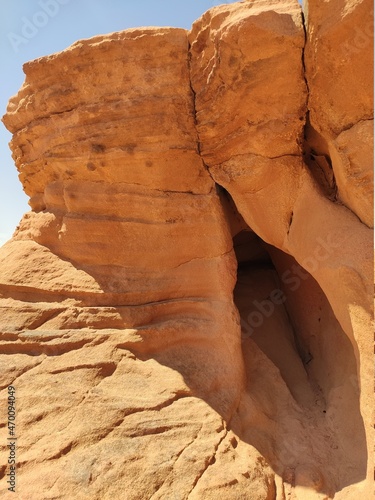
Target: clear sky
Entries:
(34, 28)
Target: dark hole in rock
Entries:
(300, 366)
(261, 301)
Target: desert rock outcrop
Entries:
(339, 61)
(185, 311)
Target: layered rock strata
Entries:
(185, 312)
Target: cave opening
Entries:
(268, 281)
(262, 302)
(299, 363)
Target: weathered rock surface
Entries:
(145, 366)
(339, 58)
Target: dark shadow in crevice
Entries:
(264, 317)
(317, 159)
(302, 395)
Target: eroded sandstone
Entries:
(339, 58)
(158, 162)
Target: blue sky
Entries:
(33, 28)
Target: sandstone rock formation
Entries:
(185, 312)
(339, 55)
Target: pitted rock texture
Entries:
(186, 310)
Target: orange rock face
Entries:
(339, 62)
(185, 311)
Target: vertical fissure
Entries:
(303, 56)
(315, 151)
(194, 110)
